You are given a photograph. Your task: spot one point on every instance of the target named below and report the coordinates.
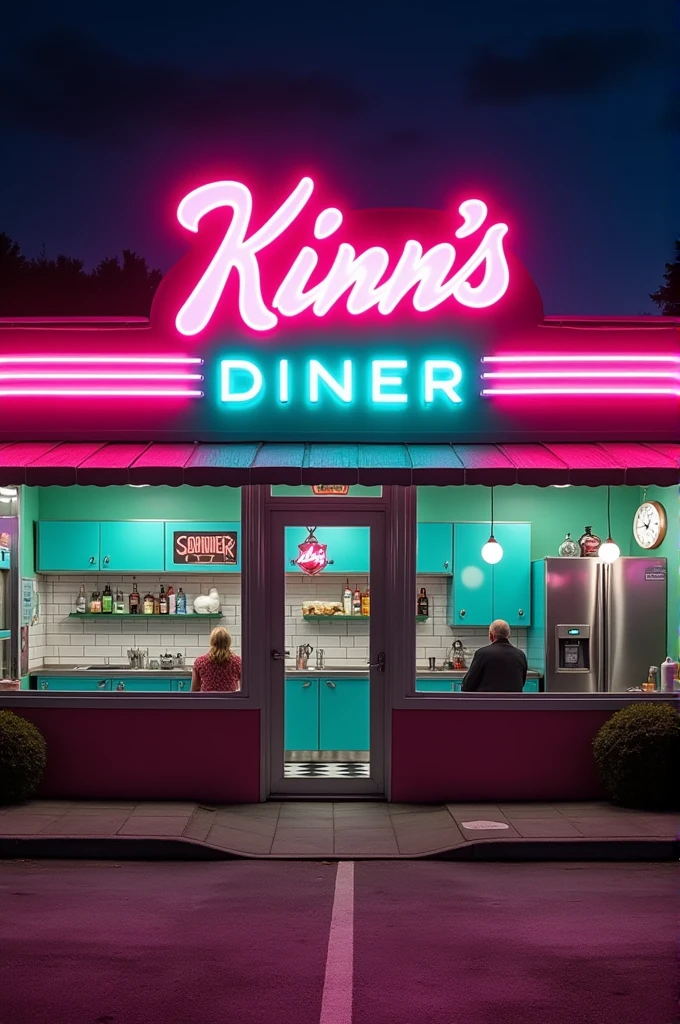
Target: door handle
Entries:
(379, 662)
(106, 560)
(277, 656)
(92, 559)
(330, 684)
(462, 613)
(521, 612)
(446, 565)
(305, 686)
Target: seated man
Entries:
(498, 668)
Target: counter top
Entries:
(110, 671)
(421, 673)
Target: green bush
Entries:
(637, 753)
(23, 756)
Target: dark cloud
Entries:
(575, 64)
(398, 143)
(73, 87)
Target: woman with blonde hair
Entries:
(220, 668)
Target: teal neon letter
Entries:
(283, 380)
(379, 382)
(448, 384)
(319, 372)
(240, 396)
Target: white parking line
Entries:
(336, 1004)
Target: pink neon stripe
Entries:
(99, 393)
(159, 360)
(584, 375)
(577, 357)
(581, 391)
(30, 375)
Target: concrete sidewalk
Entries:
(337, 830)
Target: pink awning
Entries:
(49, 463)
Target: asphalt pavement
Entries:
(411, 943)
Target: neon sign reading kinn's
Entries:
(366, 278)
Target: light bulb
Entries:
(609, 551)
(492, 552)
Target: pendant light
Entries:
(492, 552)
(610, 550)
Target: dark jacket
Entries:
(498, 668)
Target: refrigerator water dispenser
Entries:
(572, 648)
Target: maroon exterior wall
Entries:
(127, 754)
(494, 755)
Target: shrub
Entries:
(23, 756)
(637, 753)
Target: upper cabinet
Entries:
(347, 548)
(67, 546)
(202, 547)
(483, 592)
(435, 549)
(132, 547)
(137, 547)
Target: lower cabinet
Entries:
(301, 714)
(137, 684)
(425, 685)
(73, 683)
(344, 714)
(152, 685)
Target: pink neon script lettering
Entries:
(361, 275)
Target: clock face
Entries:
(649, 525)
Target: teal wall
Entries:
(670, 549)
(216, 504)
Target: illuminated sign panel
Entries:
(294, 317)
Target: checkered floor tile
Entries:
(327, 769)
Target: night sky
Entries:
(559, 113)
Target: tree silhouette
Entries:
(62, 287)
(667, 297)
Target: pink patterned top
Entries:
(213, 676)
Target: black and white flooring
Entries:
(326, 769)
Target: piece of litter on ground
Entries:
(479, 825)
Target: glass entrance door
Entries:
(327, 666)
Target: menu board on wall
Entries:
(205, 547)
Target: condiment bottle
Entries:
(156, 604)
(107, 600)
(356, 601)
(589, 543)
(148, 604)
(366, 603)
(423, 603)
(347, 599)
(119, 606)
(172, 601)
(134, 599)
(81, 600)
(181, 602)
(163, 602)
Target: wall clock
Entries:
(650, 525)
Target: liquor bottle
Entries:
(569, 548)
(347, 600)
(589, 543)
(181, 602)
(119, 605)
(156, 604)
(81, 600)
(172, 601)
(366, 603)
(163, 602)
(356, 601)
(134, 599)
(107, 600)
(148, 604)
(423, 603)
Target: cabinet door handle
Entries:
(44, 685)
(462, 613)
(330, 685)
(446, 565)
(521, 612)
(106, 560)
(92, 560)
(305, 686)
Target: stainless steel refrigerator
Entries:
(597, 628)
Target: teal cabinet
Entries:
(483, 592)
(181, 685)
(435, 549)
(187, 551)
(472, 599)
(132, 546)
(347, 548)
(344, 714)
(427, 685)
(67, 546)
(512, 575)
(301, 714)
(72, 683)
(4, 558)
(137, 685)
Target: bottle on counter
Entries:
(356, 601)
(172, 601)
(134, 600)
(107, 601)
(162, 602)
(95, 602)
(181, 602)
(81, 600)
(156, 604)
(589, 543)
(148, 604)
(366, 602)
(423, 603)
(119, 603)
(569, 548)
(347, 599)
